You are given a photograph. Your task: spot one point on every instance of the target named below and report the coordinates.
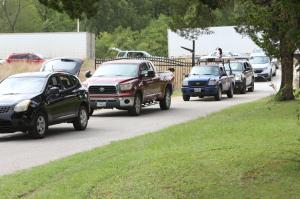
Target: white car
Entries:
(262, 66)
(215, 54)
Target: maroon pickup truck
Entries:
(129, 85)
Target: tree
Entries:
(11, 11)
(272, 24)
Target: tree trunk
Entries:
(287, 68)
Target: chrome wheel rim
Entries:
(83, 117)
(41, 125)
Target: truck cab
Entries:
(208, 80)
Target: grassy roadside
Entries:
(249, 151)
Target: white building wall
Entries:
(69, 44)
(224, 37)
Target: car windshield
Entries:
(128, 70)
(22, 85)
(259, 60)
(66, 65)
(121, 54)
(205, 70)
(235, 66)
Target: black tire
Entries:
(186, 98)
(91, 112)
(230, 92)
(40, 126)
(218, 96)
(81, 121)
(270, 77)
(251, 89)
(165, 103)
(244, 89)
(137, 106)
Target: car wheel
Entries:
(186, 98)
(137, 106)
(218, 96)
(243, 90)
(270, 77)
(230, 92)
(165, 103)
(40, 126)
(80, 123)
(91, 112)
(251, 89)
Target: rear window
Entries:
(60, 65)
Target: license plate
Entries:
(255, 75)
(101, 104)
(197, 90)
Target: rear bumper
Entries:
(120, 102)
(205, 91)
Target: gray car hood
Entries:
(68, 65)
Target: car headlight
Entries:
(85, 85)
(212, 82)
(126, 87)
(238, 77)
(265, 68)
(185, 83)
(22, 106)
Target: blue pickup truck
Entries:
(208, 80)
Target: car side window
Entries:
(66, 81)
(151, 68)
(76, 82)
(144, 68)
(53, 82)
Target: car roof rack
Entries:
(215, 60)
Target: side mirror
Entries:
(151, 73)
(53, 91)
(88, 74)
(171, 69)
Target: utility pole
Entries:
(192, 51)
(78, 25)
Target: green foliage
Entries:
(33, 17)
(152, 39)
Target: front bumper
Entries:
(239, 85)
(261, 75)
(200, 91)
(12, 122)
(119, 102)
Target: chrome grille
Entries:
(102, 90)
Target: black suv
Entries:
(30, 102)
(244, 75)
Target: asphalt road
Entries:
(18, 152)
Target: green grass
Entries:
(249, 151)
